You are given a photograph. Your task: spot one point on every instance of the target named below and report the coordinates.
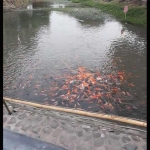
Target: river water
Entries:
(44, 49)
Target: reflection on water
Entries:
(51, 4)
(58, 6)
(54, 44)
(29, 7)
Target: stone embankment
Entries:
(71, 131)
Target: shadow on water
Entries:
(41, 48)
(90, 23)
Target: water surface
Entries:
(43, 47)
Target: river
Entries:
(49, 51)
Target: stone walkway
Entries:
(73, 132)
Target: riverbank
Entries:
(70, 131)
(136, 14)
(13, 5)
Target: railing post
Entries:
(7, 107)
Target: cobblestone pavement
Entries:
(71, 131)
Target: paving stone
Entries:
(144, 147)
(5, 112)
(18, 124)
(35, 129)
(38, 118)
(38, 137)
(54, 124)
(88, 147)
(45, 122)
(114, 136)
(144, 136)
(74, 125)
(53, 115)
(15, 130)
(125, 139)
(101, 148)
(12, 120)
(63, 140)
(79, 147)
(134, 132)
(46, 112)
(83, 147)
(25, 127)
(86, 127)
(67, 118)
(87, 138)
(116, 143)
(4, 119)
(96, 135)
(117, 132)
(68, 128)
(111, 130)
(98, 142)
(73, 137)
(102, 135)
(71, 129)
(130, 146)
(108, 141)
(135, 138)
(63, 122)
(46, 130)
(109, 147)
(57, 132)
(95, 128)
(22, 116)
(54, 119)
(113, 142)
(16, 113)
(64, 127)
(79, 133)
(71, 145)
(8, 127)
(28, 113)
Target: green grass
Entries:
(135, 15)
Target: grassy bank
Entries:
(135, 15)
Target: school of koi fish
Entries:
(91, 87)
